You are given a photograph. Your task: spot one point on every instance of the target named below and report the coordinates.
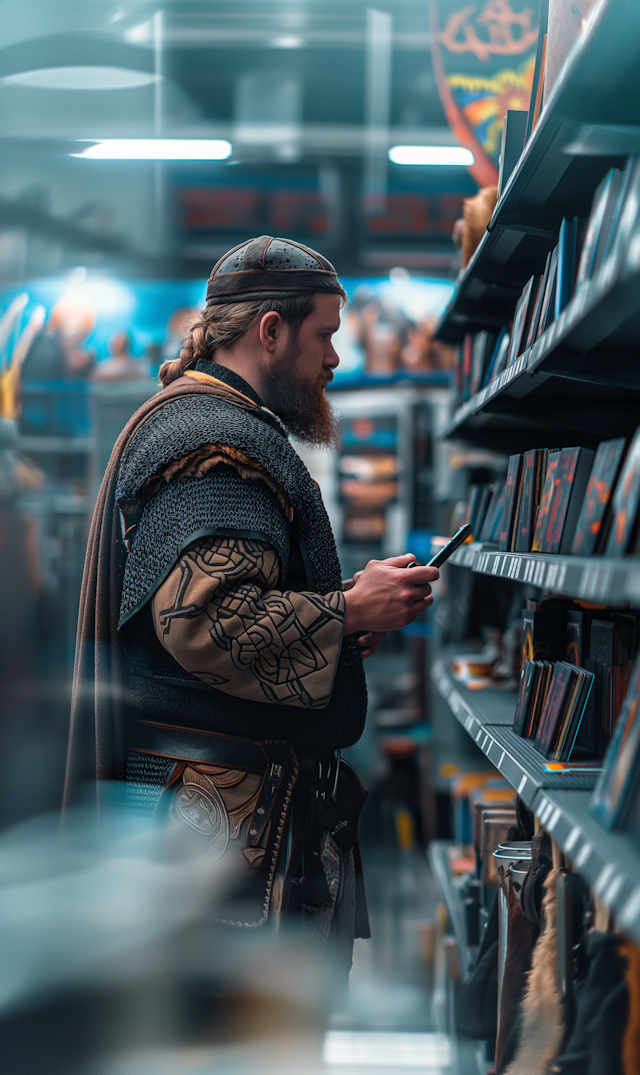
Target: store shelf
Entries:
(439, 860)
(595, 578)
(488, 721)
(590, 122)
(580, 378)
(609, 862)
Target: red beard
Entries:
(306, 412)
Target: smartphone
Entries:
(446, 551)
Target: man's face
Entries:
(301, 371)
(316, 352)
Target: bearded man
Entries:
(219, 660)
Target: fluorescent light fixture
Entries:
(79, 77)
(432, 155)
(158, 149)
(287, 41)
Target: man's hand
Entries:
(369, 642)
(386, 596)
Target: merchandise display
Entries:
(564, 235)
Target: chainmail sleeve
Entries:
(221, 617)
(222, 502)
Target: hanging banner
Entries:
(484, 57)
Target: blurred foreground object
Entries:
(111, 962)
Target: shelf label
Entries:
(603, 878)
(631, 910)
(544, 811)
(538, 575)
(596, 581)
(583, 856)
(613, 890)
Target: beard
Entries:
(304, 409)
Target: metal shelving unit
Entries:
(579, 384)
(590, 122)
(609, 862)
(584, 578)
(584, 358)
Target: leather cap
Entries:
(268, 268)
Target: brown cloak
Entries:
(97, 735)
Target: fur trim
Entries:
(199, 463)
(631, 1040)
(542, 1013)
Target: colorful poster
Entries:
(91, 317)
(484, 57)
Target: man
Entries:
(219, 661)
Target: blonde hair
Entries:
(224, 325)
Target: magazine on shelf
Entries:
(534, 466)
(566, 263)
(625, 502)
(481, 353)
(572, 717)
(597, 498)
(534, 321)
(501, 355)
(490, 531)
(542, 680)
(618, 784)
(594, 227)
(610, 214)
(537, 88)
(547, 308)
(563, 711)
(562, 678)
(524, 696)
(521, 320)
(548, 492)
(510, 501)
(626, 213)
(574, 478)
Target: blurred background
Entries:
(140, 141)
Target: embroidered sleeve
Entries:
(220, 615)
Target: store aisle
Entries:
(388, 1026)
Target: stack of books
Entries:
(563, 500)
(603, 644)
(551, 704)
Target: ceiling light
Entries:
(158, 149)
(76, 61)
(432, 155)
(80, 78)
(287, 41)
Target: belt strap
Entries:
(188, 744)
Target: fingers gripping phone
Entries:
(447, 550)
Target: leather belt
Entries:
(189, 744)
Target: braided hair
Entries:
(224, 325)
